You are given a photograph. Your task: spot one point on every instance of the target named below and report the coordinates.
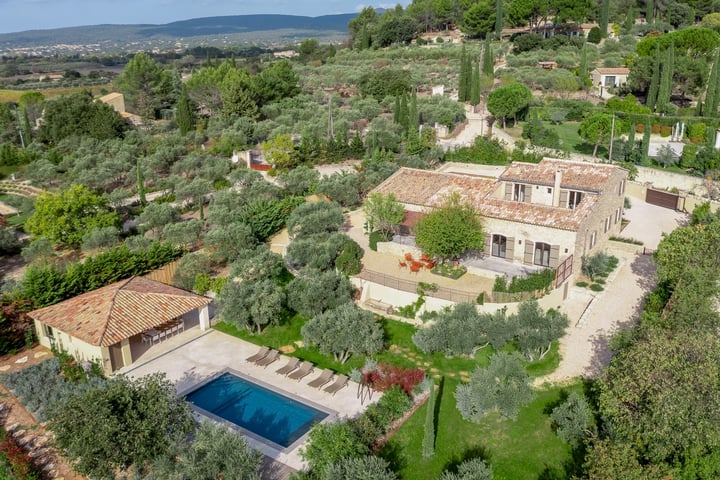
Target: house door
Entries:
(116, 357)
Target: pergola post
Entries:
(204, 318)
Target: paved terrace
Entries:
(204, 355)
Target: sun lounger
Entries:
(321, 380)
(303, 371)
(340, 382)
(260, 354)
(289, 366)
(268, 359)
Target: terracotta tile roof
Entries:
(613, 71)
(575, 175)
(110, 314)
(535, 214)
(428, 188)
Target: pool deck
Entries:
(191, 363)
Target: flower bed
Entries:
(450, 271)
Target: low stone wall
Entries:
(398, 249)
(616, 246)
(663, 180)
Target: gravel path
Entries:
(584, 348)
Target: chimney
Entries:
(556, 187)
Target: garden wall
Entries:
(667, 180)
(398, 249)
(616, 246)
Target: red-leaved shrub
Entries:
(386, 375)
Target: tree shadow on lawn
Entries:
(468, 454)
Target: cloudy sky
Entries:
(19, 15)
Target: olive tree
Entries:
(313, 292)
(252, 304)
(315, 217)
(502, 387)
(537, 330)
(343, 331)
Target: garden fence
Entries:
(442, 293)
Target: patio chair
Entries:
(322, 379)
(303, 371)
(289, 366)
(260, 354)
(409, 257)
(402, 264)
(340, 382)
(268, 359)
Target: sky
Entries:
(20, 15)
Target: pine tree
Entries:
(498, 19)
(604, 17)
(713, 88)
(654, 83)
(488, 59)
(184, 113)
(475, 84)
(665, 89)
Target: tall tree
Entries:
(654, 88)
(712, 91)
(509, 101)
(499, 15)
(604, 17)
(119, 423)
(65, 217)
(488, 59)
(185, 113)
(383, 213)
(595, 129)
(583, 69)
(666, 77)
(146, 85)
(463, 82)
(650, 11)
(413, 117)
(475, 83)
(450, 229)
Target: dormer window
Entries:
(519, 192)
(574, 199)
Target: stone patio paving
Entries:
(189, 364)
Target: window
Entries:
(574, 199)
(617, 215)
(499, 246)
(519, 192)
(593, 239)
(607, 224)
(542, 254)
(610, 80)
(48, 331)
(549, 190)
(621, 187)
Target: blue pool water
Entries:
(256, 409)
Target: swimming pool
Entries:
(256, 409)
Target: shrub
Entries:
(594, 264)
(378, 236)
(348, 261)
(329, 443)
(665, 130)
(448, 270)
(640, 128)
(573, 420)
(18, 461)
(385, 376)
(582, 284)
(535, 281)
(655, 128)
(596, 287)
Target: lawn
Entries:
(523, 448)
(570, 139)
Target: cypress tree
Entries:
(604, 17)
(462, 79)
(184, 113)
(404, 113)
(711, 92)
(650, 11)
(140, 183)
(396, 110)
(583, 69)
(631, 135)
(654, 83)
(429, 438)
(475, 84)
(498, 19)
(665, 89)
(413, 117)
(488, 59)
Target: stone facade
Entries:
(533, 214)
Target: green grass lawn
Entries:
(525, 448)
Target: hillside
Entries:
(197, 27)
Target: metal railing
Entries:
(443, 293)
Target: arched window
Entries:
(542, 254)
(499, 246)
